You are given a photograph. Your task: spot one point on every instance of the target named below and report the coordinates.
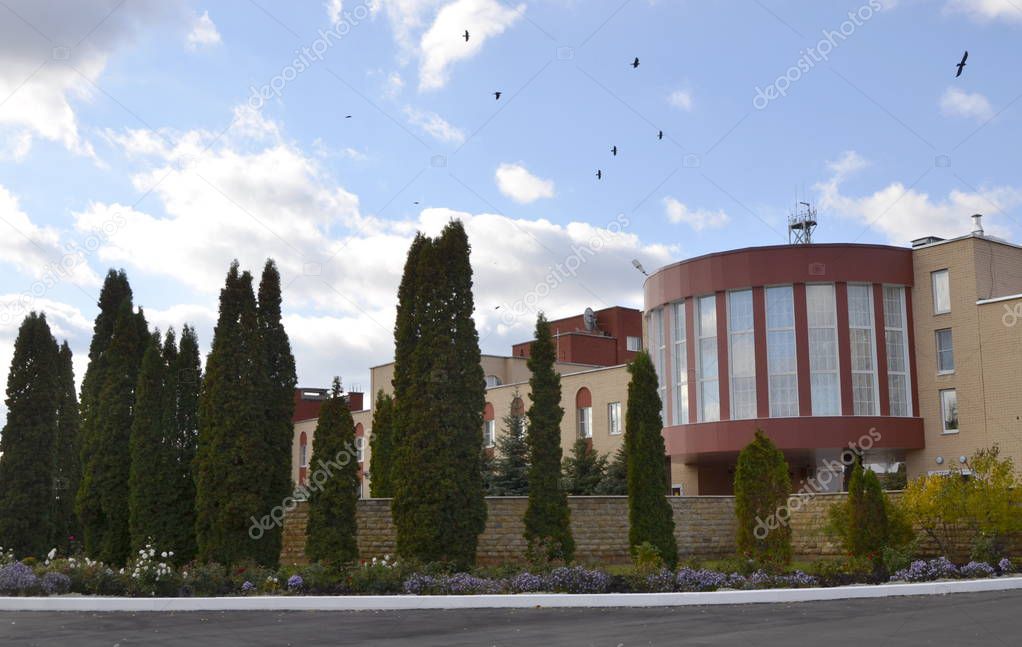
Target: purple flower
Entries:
(17, 578)
(689, 579)
(1004, 566)
(457, 584)
(977, 570)
(525, 582)
(927, 571)
(55, 583)
(660, 582)
(248, 587)
(295, 583)
(577, 579)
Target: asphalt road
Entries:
(987, 619)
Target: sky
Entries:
(170, 137)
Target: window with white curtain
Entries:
(656, 333)
(861, 333)
(680, 368)
(825, 386)
(896, 333)
(742, 355)
(941, 292)
(706, 365)
(614, 418)
(782, 367)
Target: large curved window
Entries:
(742, 355)
(825, 386)
(659, 352)
(782, 366)
(680, 368)
(863, 336)
(584, 412)
(896, 335)
(706, 365)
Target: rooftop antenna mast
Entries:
(801, 224)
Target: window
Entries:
(823, 359)
(633, 343)
(303, 450)
(489, 426)
(945, 352)
(781, 364)
(614, 418)
(584, 408)
(949, 410)
(742, 355)
(360, 448)
(657, 341)
(492, 381)
(680, 365)
(706, 332)
(941, 292)
(860, 327)
(895, 328)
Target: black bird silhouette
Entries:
(466, 36)
(416, 202)
(496, 96)
(599, 174)
(961, 65)
(347, 116)
(660, 135)
(613, 150)
(635, 63)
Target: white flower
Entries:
(51, 554)
(163, 554)
(170, 553)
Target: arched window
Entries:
(584, 409)
(489, 426)
(517, 407)
(303, 457)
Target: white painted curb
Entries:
(525, 600)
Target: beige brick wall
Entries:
(988, 355)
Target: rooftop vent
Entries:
(926, 240)
(977, 224)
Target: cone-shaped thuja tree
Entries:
(67, 467)
(439, 398)
(381, 444)
(330, 535)
(762, 488)
(148, 480)
(279, 401)
(183, 380)
(27, 443)
(103, 495)
(547, 521)
(650, 517)
(232, 519)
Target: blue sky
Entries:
(134, 135)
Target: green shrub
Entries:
(377, 577)
(647, 559)
(206, 580)
(762, 488)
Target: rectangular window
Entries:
(945, 352)
(360, 443)
(781, 364)
(303, 455)
(680, 366)
(896, 333)
(706, 333)
(825, 387)
(659, 352)
(941, 292)
(614, 418)
(489, 432)
(585, 422)
(865, 395)
(949, 410)
(742, 355)
(633, 343)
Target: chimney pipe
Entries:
(977, 224)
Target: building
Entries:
(904, 352)
(912, 355)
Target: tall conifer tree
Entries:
(185, 376)
(27, 443)
(148, 483)
(547, 520)
(650, 517)
(67, 467)
(331, 529)
(381, 444)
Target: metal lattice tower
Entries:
(802, 224)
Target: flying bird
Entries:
(613, 150)
(599, 174)
(496, 96)
(466, 36)
(660, 135)
(961, 65)
(416, 202)
(635, 63)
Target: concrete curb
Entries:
(525, 600)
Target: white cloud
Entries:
(394, 85)
(681, 99)
(516, 182)
(203, 33)
(986, 10)
(903, 214)
(959, 103)
(333, 10)
(698, 219)
(441, 46)
(434, 125)
(56, 62)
